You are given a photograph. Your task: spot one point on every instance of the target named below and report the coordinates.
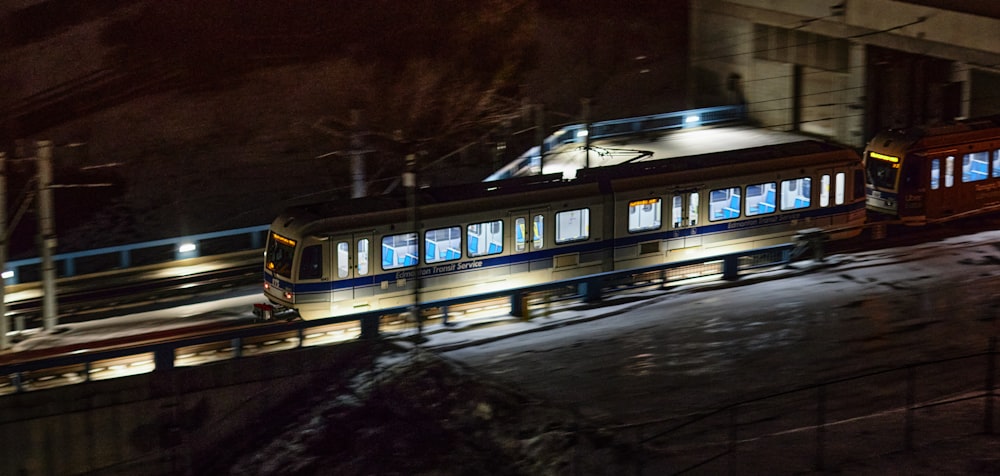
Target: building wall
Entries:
(844, 69)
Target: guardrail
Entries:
(578, 133)
(590, 288)
(137, 254)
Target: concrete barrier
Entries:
(182, 421)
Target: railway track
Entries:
(99, 298)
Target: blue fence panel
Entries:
(183, 247)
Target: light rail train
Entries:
(364, 254)
(934, 174)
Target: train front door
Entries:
(353, 275)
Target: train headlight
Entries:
(288, 295)
(267, 286)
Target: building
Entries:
(845, 69)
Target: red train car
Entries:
(934, 174)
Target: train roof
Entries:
(519, 192)
(430, 195)
(519, 185)
(716, 159)
(966, 130)
(317, 218)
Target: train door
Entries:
(830, 193)
(940, 199)
(352, 270)
(529, 237)
(684, 209)
(834, 189)
(678, 212)
(312, 275)
(684, 220)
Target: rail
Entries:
(590, 288)
(577, 133)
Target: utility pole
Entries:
(410, 183)
(46, 234)
(585, 112)
(4, 323)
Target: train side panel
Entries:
(390, 256)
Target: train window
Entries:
(935, 174)
(949, 171)
(311, 265)
(693, 209)
(279, 254)
(760, 198)
(839, 188)
(572, 225)
(824, 190)
(796, 193)
(537, 235)
(724, 203)
(975, 166)
(443, 244)
(363, 257)
(859, 184)
(996, 163)
(520, 235)
(343, 256)
(399, 251)
(486, 238)
(644, 214)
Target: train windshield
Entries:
(882, 170)
(280, 251)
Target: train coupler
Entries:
(263, 311)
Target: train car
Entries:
(934, 174)
(368, 253)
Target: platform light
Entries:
(187, 248)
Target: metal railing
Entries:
(578, 133)
(138, 254)
(589, 288)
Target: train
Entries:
(934, 174)
(356, 255)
